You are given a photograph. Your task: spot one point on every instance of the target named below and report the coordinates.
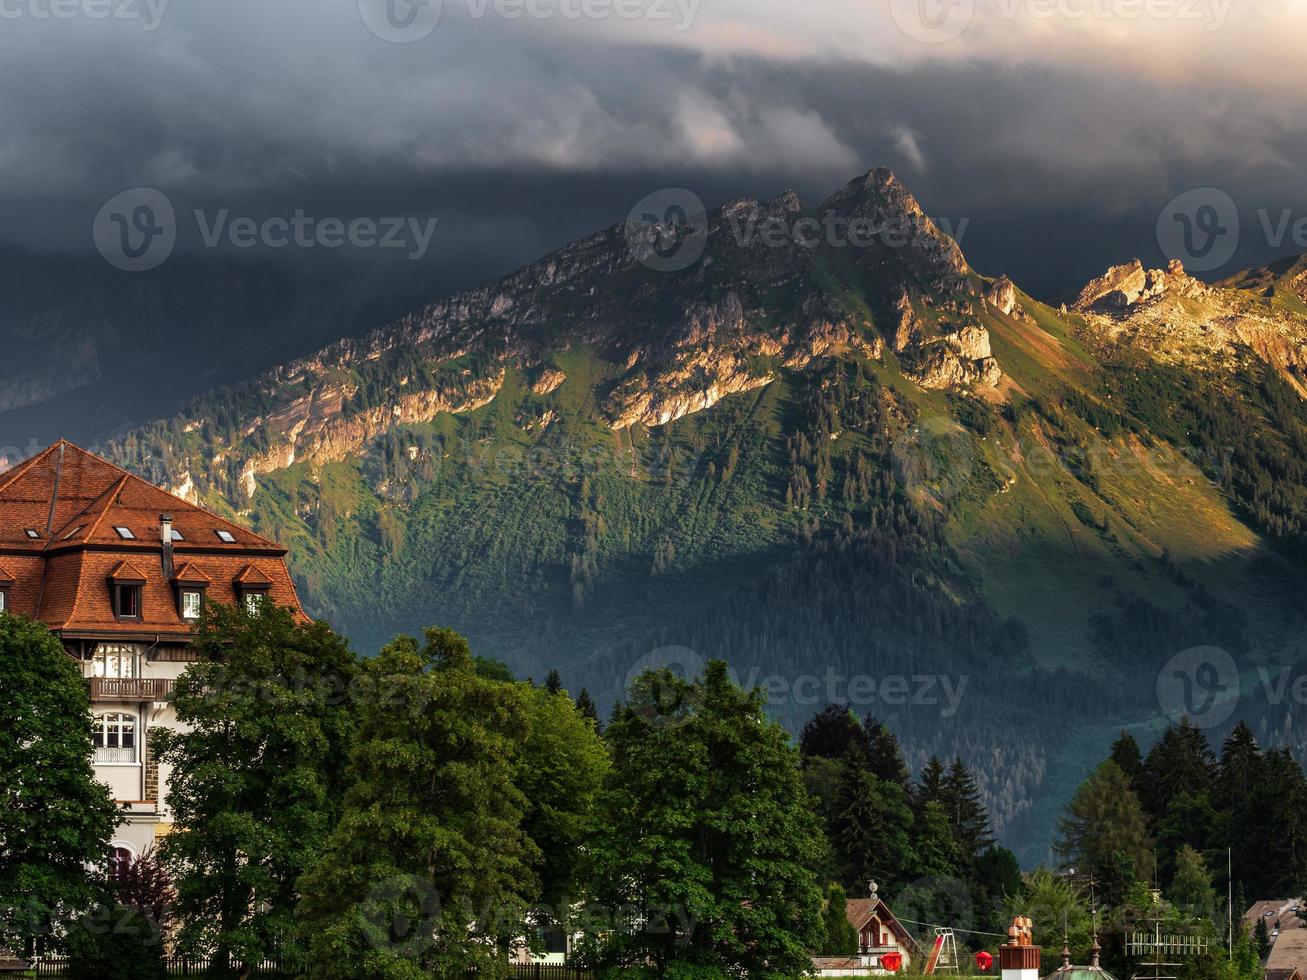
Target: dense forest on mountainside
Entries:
(819, 464)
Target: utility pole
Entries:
(1229, 902)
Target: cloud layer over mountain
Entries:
(1045, 124)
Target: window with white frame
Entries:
(114, 660)
(4, 599)
(254, 601)
(114, 737)
(192, 599)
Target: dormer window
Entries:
(252, 587)
(126, 584)
(125, 533)
(127, 601)
(190, 583)
(226, 537)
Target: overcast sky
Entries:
(1053, 133)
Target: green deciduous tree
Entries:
(115, 942)
(429, 871)
(832, 732)
(55, 817)
(707, 837)
(1054, 904)
(257, 776)
(560, 767)
(1191, 889)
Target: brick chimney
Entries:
(1018, 958)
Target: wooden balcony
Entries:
(130, 689)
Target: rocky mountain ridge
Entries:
(1177, 319)
(801, 452)
(685, 341)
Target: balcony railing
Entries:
(130, 689)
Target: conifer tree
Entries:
(1104, 825)
(1125, 753)
(966, 811)
(886, 757)
(586, 707)
(553, 682)
(841, 939)
(930, 786)
(871, 828)
(1180, 763)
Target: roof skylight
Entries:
(226, 537)
(125, 533)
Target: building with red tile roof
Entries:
(120, 570)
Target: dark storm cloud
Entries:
(520, 134)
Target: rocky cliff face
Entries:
(1179, 320)
(773, 291)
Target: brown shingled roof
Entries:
(75, 502)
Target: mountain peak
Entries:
(1128, 285)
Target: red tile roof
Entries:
(75, 502)
(190, 574)
(126, 573)
(251, 576)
